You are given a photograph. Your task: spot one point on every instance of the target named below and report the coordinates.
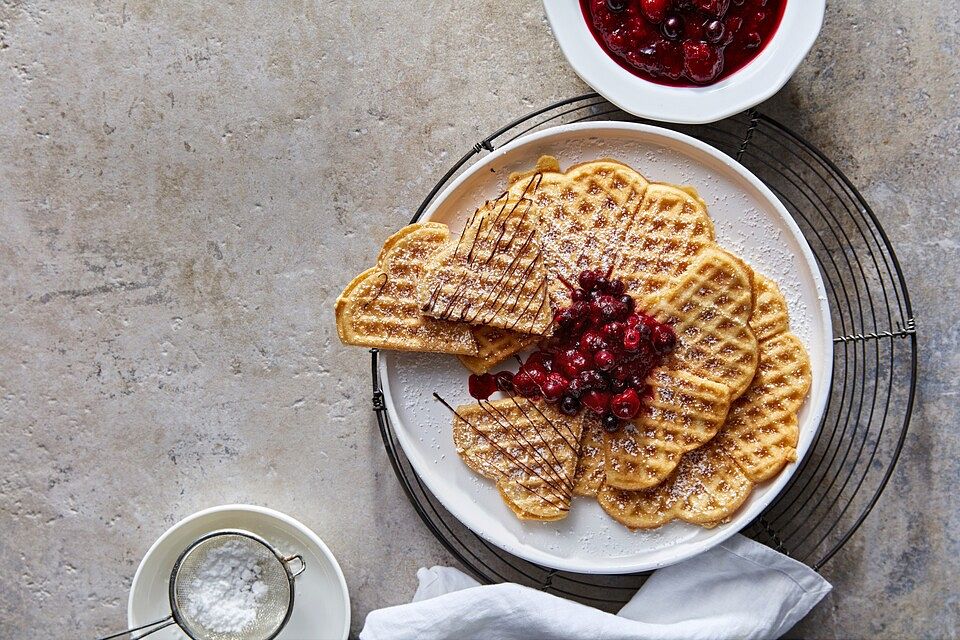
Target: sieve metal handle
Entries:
(162, 623)
(301, 569)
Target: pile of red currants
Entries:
(599, 356)
(672, 41)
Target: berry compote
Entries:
(683, 42)
(598, 358)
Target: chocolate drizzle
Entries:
(504, 422)
(501, 290)
(560, 484)
(501, 227)
(379, 291)
(574, 446)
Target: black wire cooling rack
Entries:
(874, 369)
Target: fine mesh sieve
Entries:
(272, 609)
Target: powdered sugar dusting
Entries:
(588, 538)
(226, 589)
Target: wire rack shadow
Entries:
(871, 400)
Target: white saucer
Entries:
(321, 609)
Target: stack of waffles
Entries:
(721, 412)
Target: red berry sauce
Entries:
(683, 43)
(598, 358)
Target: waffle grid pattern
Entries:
(847, 469)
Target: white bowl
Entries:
(751, 85)
(321, 606)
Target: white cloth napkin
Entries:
(738, 589)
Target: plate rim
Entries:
(817, 404)
(283, 518)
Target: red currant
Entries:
(563, 320)
(504, 381)
(654, 10)
(571, 362)
(616, 288)
(596, 401)
(536, 372)
(613, 330)
(554, 387)
(540, 359)
(524, 385)
(592, 341)
(588, 279)
(664, 339)
(604, 359)
(631, 339)
(481, 386)
(625, 405)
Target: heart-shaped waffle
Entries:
(379, 308)
(581, 213)
(527, 446)
(705, 486)
(770, 404)
(761, 432)
(769, 317)
(709, 307)
(590, 472)
(758, 438)
(660, 239)
(494, 275)
(683, 413)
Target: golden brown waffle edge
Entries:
(757, 440)
(379, 308)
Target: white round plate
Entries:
(321, 605)
(758, 80)
(749, 221)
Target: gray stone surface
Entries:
(187, 186)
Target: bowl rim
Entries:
(760, 79)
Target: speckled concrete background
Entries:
(187, 186)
